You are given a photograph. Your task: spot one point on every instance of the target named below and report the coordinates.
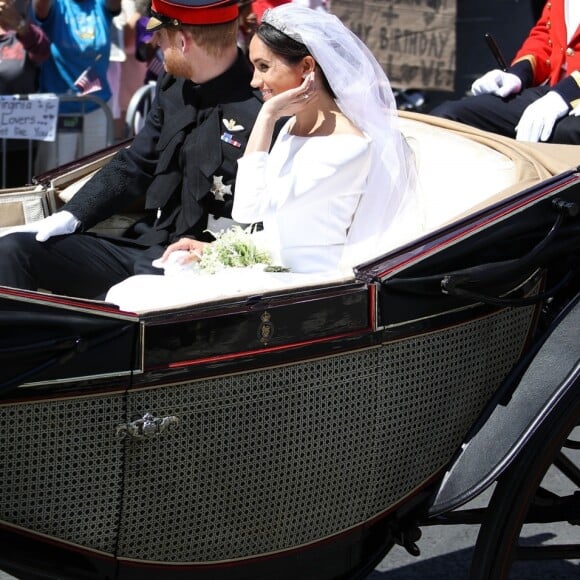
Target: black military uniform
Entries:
(188, 147)
(183, 161)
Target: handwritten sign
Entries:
(28, 117)
(413, 40)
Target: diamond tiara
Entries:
(269, 17)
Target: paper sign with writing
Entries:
(413, 40)
(28, 117)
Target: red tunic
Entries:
(552, 58)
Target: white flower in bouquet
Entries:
(235, 248)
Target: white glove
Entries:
(60, 223)
(498, 82)
(539, 118)
(174, 264)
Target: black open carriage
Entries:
(302, 430)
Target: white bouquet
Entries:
(235, 247)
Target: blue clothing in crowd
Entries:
(81, 39)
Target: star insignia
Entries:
(232, 125)
(219, 189)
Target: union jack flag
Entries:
(88, 82)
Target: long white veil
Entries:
(389, 212)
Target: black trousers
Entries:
(501, 116)
(80, 265)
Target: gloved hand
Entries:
(175, 263)
(498, 82)
(539, 118)
(60, 223)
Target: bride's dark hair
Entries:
(288, 49)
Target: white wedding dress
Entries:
(305, 192)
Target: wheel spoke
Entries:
(568, 468)
(556, 509)
(553, 552)
(572, 444)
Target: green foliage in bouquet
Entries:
(233, 248)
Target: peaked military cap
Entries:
(176, 12)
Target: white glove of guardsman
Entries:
(57, 224)
(538, 120)
(498, 82)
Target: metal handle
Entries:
(146, 427)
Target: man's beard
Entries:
(176, 64)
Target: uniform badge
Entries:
(232, 125)
(219, 189)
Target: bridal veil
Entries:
(389, 212)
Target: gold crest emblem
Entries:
(266, 328)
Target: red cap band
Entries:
(216, 13)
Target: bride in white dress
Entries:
(337, 187)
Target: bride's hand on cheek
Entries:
(293, 100)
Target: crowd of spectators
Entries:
(23, 47)
(70, 48)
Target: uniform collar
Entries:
(231, 85)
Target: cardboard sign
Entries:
(31, 116)
(413, 40)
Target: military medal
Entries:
(229, 138)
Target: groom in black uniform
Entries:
(183, 162)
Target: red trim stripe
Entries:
(197, 15)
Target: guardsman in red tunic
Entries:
(536, 98)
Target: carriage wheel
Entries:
(520, 498)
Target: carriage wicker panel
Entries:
(261, 461)
(277, 458)
(61, 468)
